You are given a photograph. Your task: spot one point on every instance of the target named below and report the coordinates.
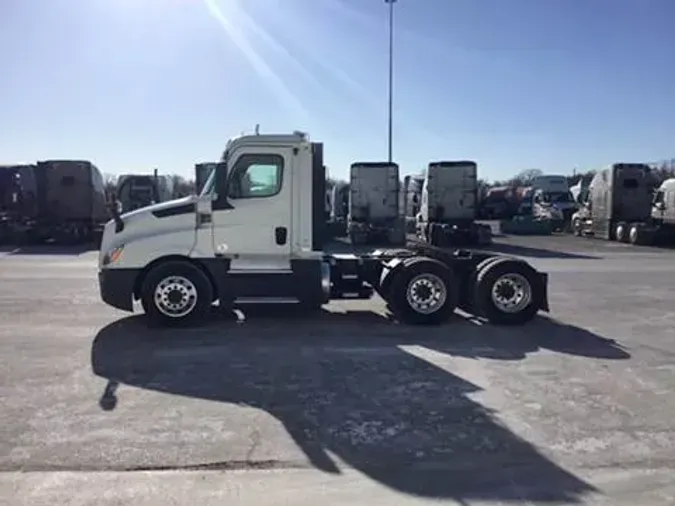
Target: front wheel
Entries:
(176, 292)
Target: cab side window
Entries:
(659, 197)
(256, 176)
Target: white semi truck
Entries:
(255, 235)
(552, 194)
(449, 206)
(624, 205)
(374, 204)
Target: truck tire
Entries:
(621, 232)
(176, 292)
(423, 292)
(467, 300)
(576, 227)
(507, 292)
(638, 235)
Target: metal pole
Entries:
(391, 80)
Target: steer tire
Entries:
(193, 282)
(415, 269)
(494, 273)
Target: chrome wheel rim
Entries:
(175, 296)
(633, 234)
(426, 293)
(511, 293)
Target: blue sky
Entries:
(512, 84)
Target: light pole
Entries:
(391, 79)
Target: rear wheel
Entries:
(576, 227)
(508, 292)
(638, 235)
(176, 292)
(621, 232)
(423, 292)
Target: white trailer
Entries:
(255, 235)
(449, 207)
(374, 204)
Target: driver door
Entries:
(254, 229)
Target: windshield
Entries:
(557, 198)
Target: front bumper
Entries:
(117, 287)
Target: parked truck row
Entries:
(375, 207)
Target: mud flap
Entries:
(543, 304)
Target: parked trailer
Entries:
(449, 206)
(139, 190)
(412, 191)
(18, 202)
(240, 243)
(339, 210)
(623, 206)
(373, 204)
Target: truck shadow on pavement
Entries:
(529, 251)
(344, 384)
(49, 249)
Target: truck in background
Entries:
(623, 205)
(18, 202)
(449, 207)
(373, 204)
(552, 193)
(54, 200)
(412, 197)
(339, 208)
(139, 190)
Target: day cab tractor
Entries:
(255, 234)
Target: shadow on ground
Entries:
(49, 249)
(343, 384)
(529, 251)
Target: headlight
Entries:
(113, 255)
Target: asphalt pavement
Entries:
(272, 407)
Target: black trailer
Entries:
(71, 201)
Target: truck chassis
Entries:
(455, 234)
(421, 284)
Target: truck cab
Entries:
(255, 234)
(619, 205)
(663, 208)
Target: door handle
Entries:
(281, 235)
